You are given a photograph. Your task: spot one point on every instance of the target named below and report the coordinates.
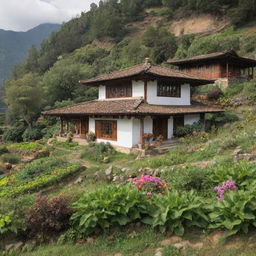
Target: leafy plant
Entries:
(235, 213)
(90, 137)
(177, 211)
(188, 129)
(107, 207)
(97, 151)
(6, 224)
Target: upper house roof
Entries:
(148, 70)
(230, 56)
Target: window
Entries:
(106, 129)
(165, 89)
(120, 90)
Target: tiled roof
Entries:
(131, 106)
(147, 69)
(216, 55)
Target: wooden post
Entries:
(67, 126)
(141, 131)
(146, 90)
(227, 70)
(61, 126)
(202, 121)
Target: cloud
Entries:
(21, 15)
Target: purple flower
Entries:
(228, 185)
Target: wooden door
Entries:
(160, 127)
(177, 122)
(84, 127)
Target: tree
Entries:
(32, 60)
(24, 97)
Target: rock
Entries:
(238, 101)
(42, 153)
(16, 247)
(106, 160)
(78, 181)
(159, 253)
(172, 240)
(8, 166)
(90, 240)
(181, 244)
(197, 245)
(216, 236)
(118, 254)
(109, 170)
(28, 159)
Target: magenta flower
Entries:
(228, 185)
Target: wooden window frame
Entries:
(121, 89)
(99, 126)
(165, 89)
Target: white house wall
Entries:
(124, 132)
(148, 125)
(102, 92)
(152, 97)
(190, 119)
(136, 132)
(137, 89)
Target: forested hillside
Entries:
(14, 46)
(107, 38)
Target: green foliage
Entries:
(235, 213)
(37, 175)
(97, 151)
(32, 134)
(188, 129)
(39, 166)
(6, 224)
(3, 150)
(161, 42)
(176, 212)
(14, 133)
(221, 118)
(25, 147)
(234, 89)
(24, 97)
(106, 208)
(10, 158)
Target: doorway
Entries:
(160, 127)
(177, 122)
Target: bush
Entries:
(14, 134)
(220, 119)
(188, 129)
(11, 158)
(177, 211)
(235, 212)
(107, 207)
(48, 217)
(32, 134)
(3, 149)
(90, 137)
(98, 151)
(214, 94)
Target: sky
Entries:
(22, 15)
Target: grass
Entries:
(124, 242)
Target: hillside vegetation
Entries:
(59, 198)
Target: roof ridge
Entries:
(117, 70)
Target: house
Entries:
(135, 101)
(225, 67)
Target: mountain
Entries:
(14, 45)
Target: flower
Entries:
(228, 185)
(149, 184)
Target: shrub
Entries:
(188, 129)
(235, 213)
(233, 89)
(90, 137)
(14, 134)
(107, 207)
(221, 118)
(6, 224)
(214, 94)
(32, 134)
(97, 151)
(11, 158)
(3, 149)
(48, 217)
(149, 184)
(177, 211)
